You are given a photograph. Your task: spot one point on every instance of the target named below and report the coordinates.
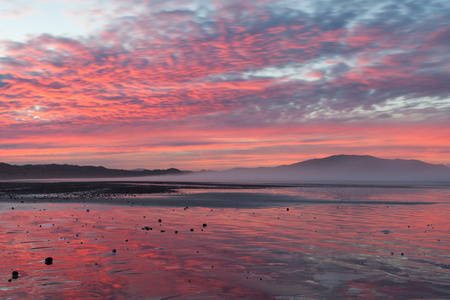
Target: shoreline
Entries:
(235, 200)
(173, 194)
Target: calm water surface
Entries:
(380, 245)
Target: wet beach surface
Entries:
(195, 241)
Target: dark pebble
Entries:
(159, 220)
(15, 275)
(49, 261)
(192, 229)
(114, 250)
(204, 225)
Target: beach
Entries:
(137, 240)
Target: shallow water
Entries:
(369, 248)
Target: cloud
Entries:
(14, 9)
(228, 64)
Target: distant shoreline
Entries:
(168, 194)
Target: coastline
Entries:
(172, 194)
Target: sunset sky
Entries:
(198, 84)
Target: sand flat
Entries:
(352, 242)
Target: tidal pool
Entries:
(353, 242)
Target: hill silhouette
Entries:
(333, 168)
(8, 171)
(365, 167)
(340, 168)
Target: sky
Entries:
(198, 84)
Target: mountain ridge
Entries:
(44, 171)
(355, 167)
(341, 167)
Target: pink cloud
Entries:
(180, 85)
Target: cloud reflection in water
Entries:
(311, 250)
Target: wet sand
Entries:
(173, 194)
(206, 242)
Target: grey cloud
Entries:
(401, 30)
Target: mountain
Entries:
(355, 168)
(8, 171)
(336, 168)
(367, 168)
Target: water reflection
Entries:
(311, 251)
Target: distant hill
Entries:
(343, 168)
(337, 168)
(8, 171)
(366, 168)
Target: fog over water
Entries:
(337, 168)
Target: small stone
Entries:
(159, 220)
(114, 250)
(15, 275)
(49, 261)
(287, 209)
(204, 225)
(192, 229)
